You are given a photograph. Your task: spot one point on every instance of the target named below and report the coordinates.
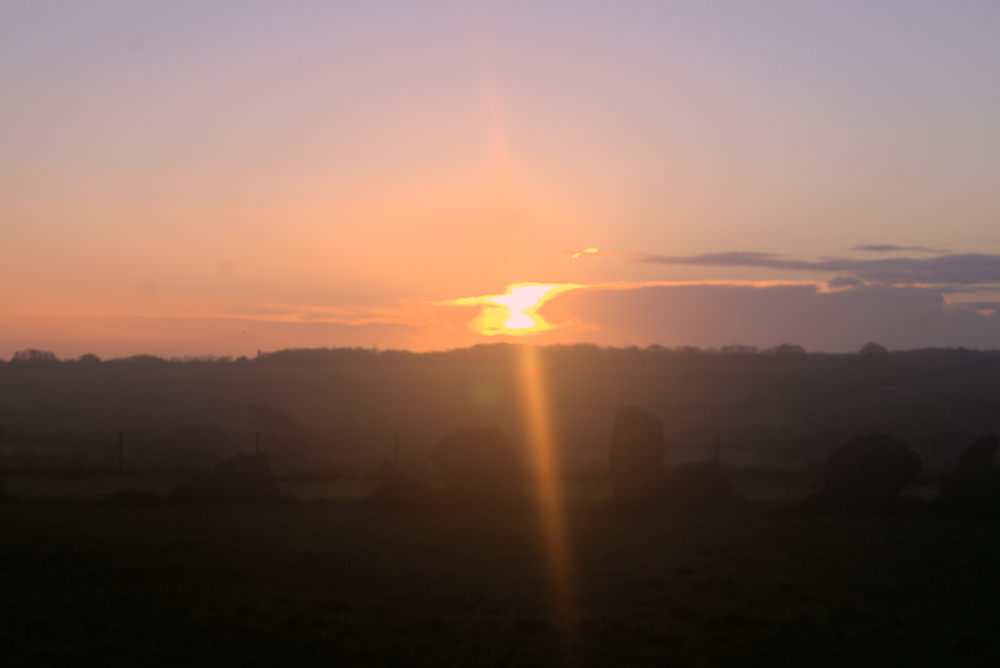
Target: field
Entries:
(335, 585)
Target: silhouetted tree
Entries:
(34, 356)
(787, 350)
(873, 352)
(146, 361)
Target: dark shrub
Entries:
(636, 458)
(698, 485)
(400, 489)
(867, 473)
(479, 467)
(975, 486)
(243, 479)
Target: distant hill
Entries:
(342, 406)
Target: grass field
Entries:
(342, 586)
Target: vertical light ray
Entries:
(506, 223)
(548, 497)
(536, 408)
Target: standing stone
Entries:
(636, 458)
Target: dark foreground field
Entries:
(337, 586)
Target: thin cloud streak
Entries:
(702, 313)
(961, 270)
(888, 248)
(830, 321)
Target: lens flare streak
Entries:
(548, 495)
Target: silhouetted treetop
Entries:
(34, 356)
(503, 353)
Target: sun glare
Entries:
(516, 312)
(520, 302)
(548, 495)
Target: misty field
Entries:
(337, 585)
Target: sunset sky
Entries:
(209, 178)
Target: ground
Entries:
(335, 585)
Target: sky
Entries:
(219, 178)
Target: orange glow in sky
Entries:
(179, 182)
(516, 312)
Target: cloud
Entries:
(944, 271)
(984, 305)
(347, 315)
(887, 248)
(721, 314)
(699, 313)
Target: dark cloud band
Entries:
(968, 269)
(888, 248)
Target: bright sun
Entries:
(520, 301)
(516, 312)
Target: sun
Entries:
(521, 303)
(516, 312)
